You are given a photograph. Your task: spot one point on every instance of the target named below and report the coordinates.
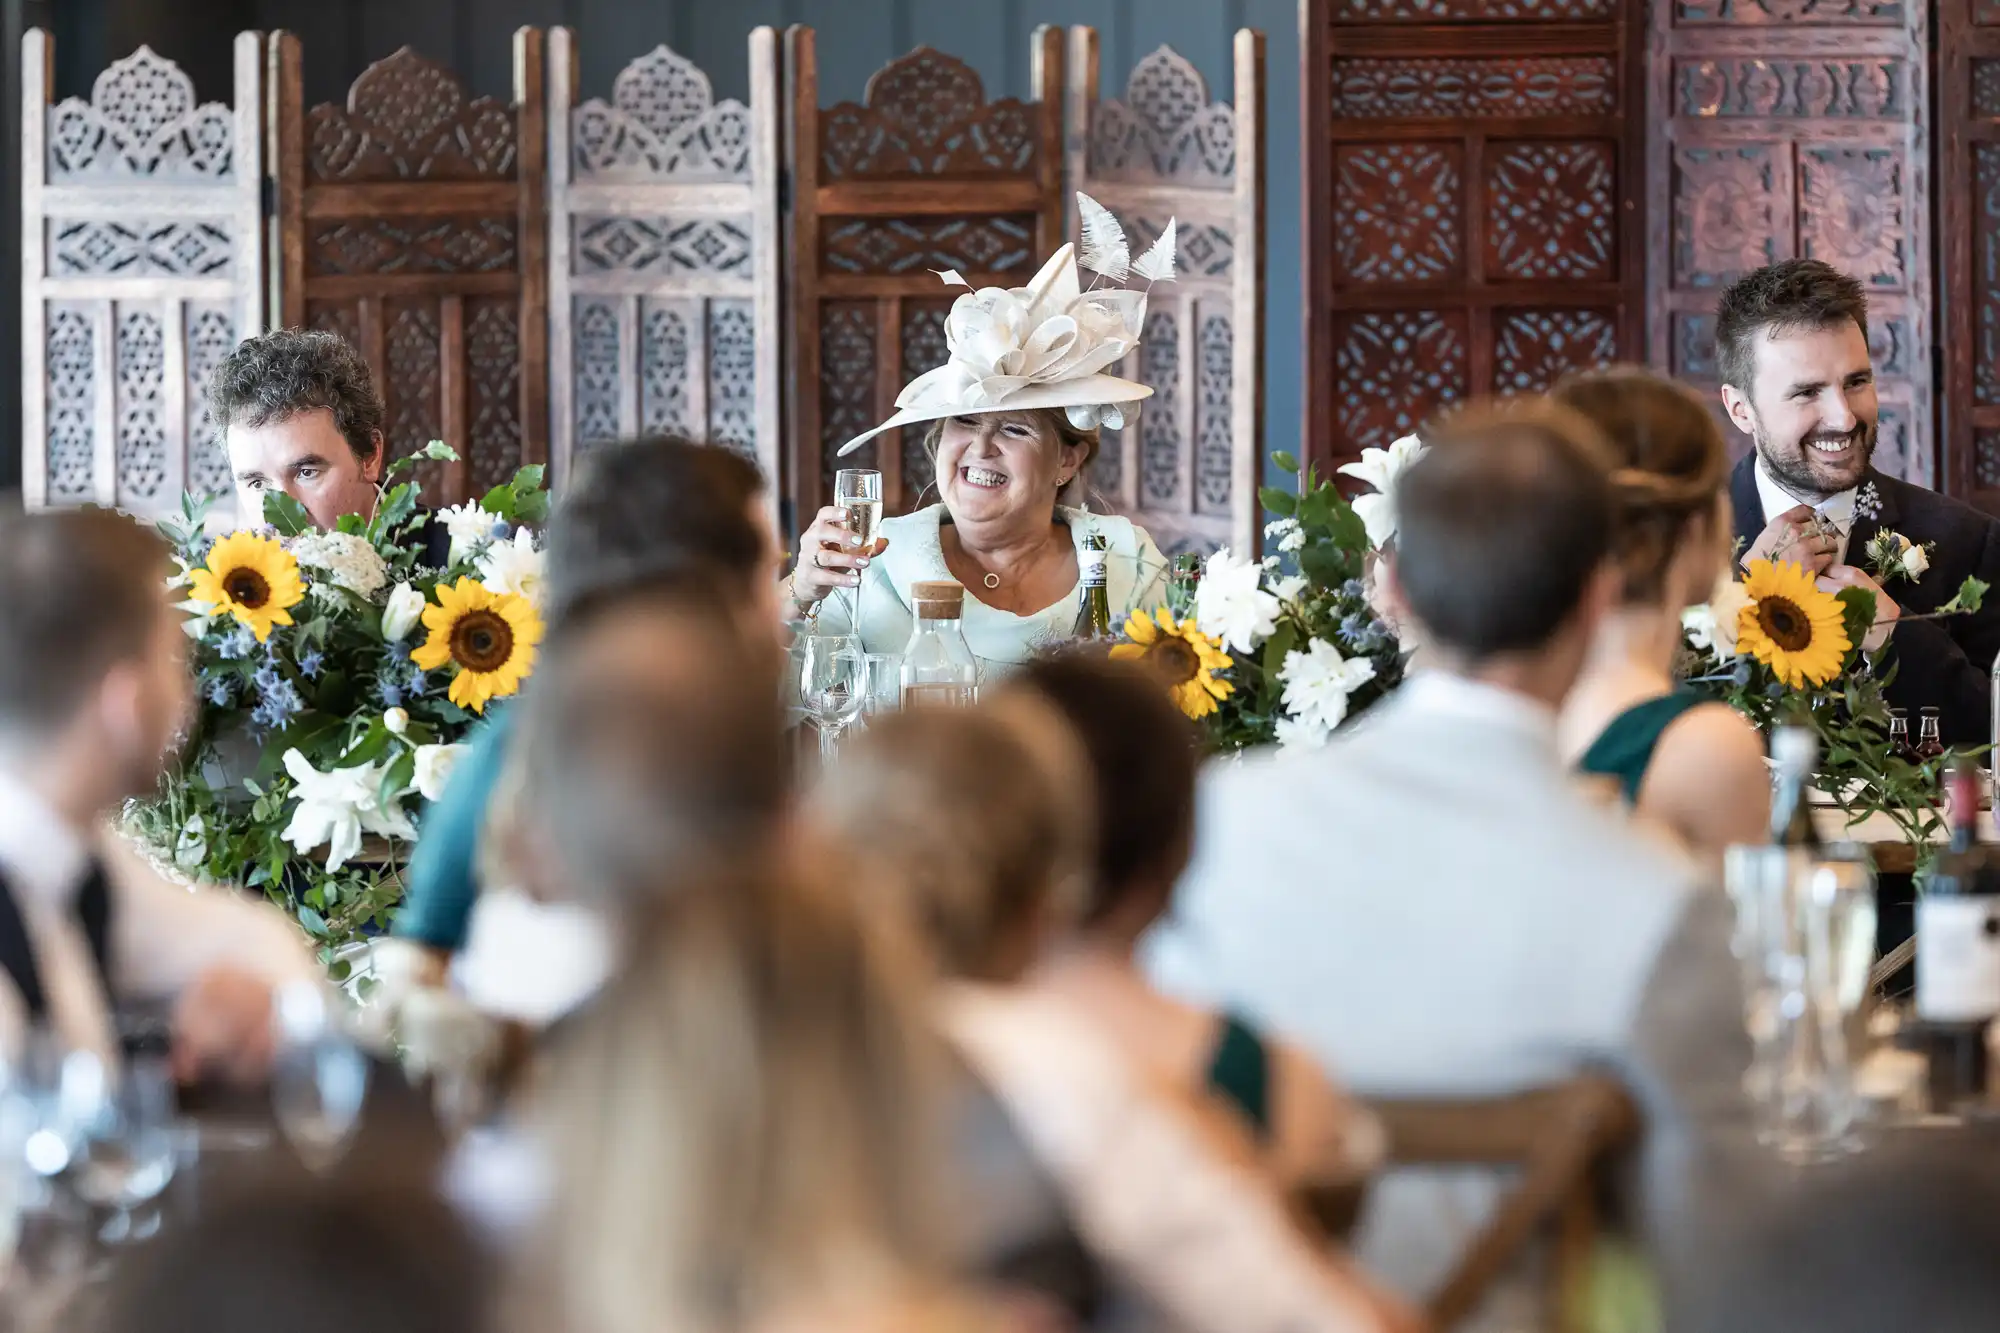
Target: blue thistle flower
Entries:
(310, 662)
(219, 694)
(266, 679)
(399, 653)
(1354, 590)
(236, 645)
(390, 692)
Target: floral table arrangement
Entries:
(1287, 649)
(336, 676)
(1778, 648)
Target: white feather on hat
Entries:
(1045, 345)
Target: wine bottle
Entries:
(1930, 737)
(1899, 735)
(1795, 751)
(1093, 611)
(1958, 918)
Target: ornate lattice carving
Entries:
(663, 372)
(1754, 13)
(87, 247)
(1725, 213)
(1533, 349)
(1214, 456)
(493, 376)
(1396, 368)
(407, 118)
(141, 120)
(1986, 459)
(1551, 210)
(846, 381)
(595, 360)
(211, 336)
(663, 123)
(662, 245)
(1165, 129)
(732, 376)
(1694, 347)
(989, 245)
(1467, 11)
(1740, 87)
(1851, 211)
(1891, 343)
(1107, 470)
(1397, 212)
(72, 395)
(142, 434)
(1203, 249)
(1986, 87)
(1160, 472)
(341, 319)
(1892, 445)
(379, 245)
(410, 346)
(923, 349)
(1986, 293)
(927, 115)
(1367, 89)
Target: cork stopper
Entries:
(939, 599)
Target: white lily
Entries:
(470, 527)
(1318, 680)
(513, 567)
(1231, 604)
(336, 807)
(403, 613)
(1381, 468)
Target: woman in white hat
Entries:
(1011, 420)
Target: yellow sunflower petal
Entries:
(1127, 652)
(250, 577)
(1791, 626)
(1140, 629)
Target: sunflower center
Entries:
(1175, 661)
(247, 588)
(1784, 623)
(482, 641)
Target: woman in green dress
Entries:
(1681, 760)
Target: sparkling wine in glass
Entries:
(857, 493)
(834, 685)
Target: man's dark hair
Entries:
(1143, 757)
(80, 592)
(655, 508)
(1780, 298)
(1501, 525)
(280, 374)
(654, 740)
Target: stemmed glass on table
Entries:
(833, 686)
(319, 1075)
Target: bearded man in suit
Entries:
(1792, 342)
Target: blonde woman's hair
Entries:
(979, 821)
(745, 1122)
(1052, 419)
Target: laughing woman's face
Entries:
(997, 466)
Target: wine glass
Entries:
(128, 1142)
(319, 1077)
(857, 494)
(833, 684)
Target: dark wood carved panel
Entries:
(925, 173)
(1788, 128)
(1475, 200)
(1968, 190)
(412, 220)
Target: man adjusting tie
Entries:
(1792, 345)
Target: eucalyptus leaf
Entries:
(1285, 462)
(287, 517)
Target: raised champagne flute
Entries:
(857, 494)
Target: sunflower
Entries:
(1182, 656)
(1790, 625)
(251, 577)
(491, 635)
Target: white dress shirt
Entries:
(162, 935)
(1837, 509)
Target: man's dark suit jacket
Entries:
(1940, 664)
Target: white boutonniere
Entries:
(1893, 556)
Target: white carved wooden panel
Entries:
(1188, 469)
(663, 257)
(141, 267)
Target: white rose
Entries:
(1712, 626)
(397, 720)
(404, 613)
(1915, 559)
(434, 766)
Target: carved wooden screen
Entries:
(1474, 177)
(926, 174)
(663, 256)
(1188, 470)
(1968, 101)
(413, 222)
(1795, 128)
(142, 265)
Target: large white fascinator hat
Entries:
(1047, 344)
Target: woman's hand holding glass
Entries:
(828, 558)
